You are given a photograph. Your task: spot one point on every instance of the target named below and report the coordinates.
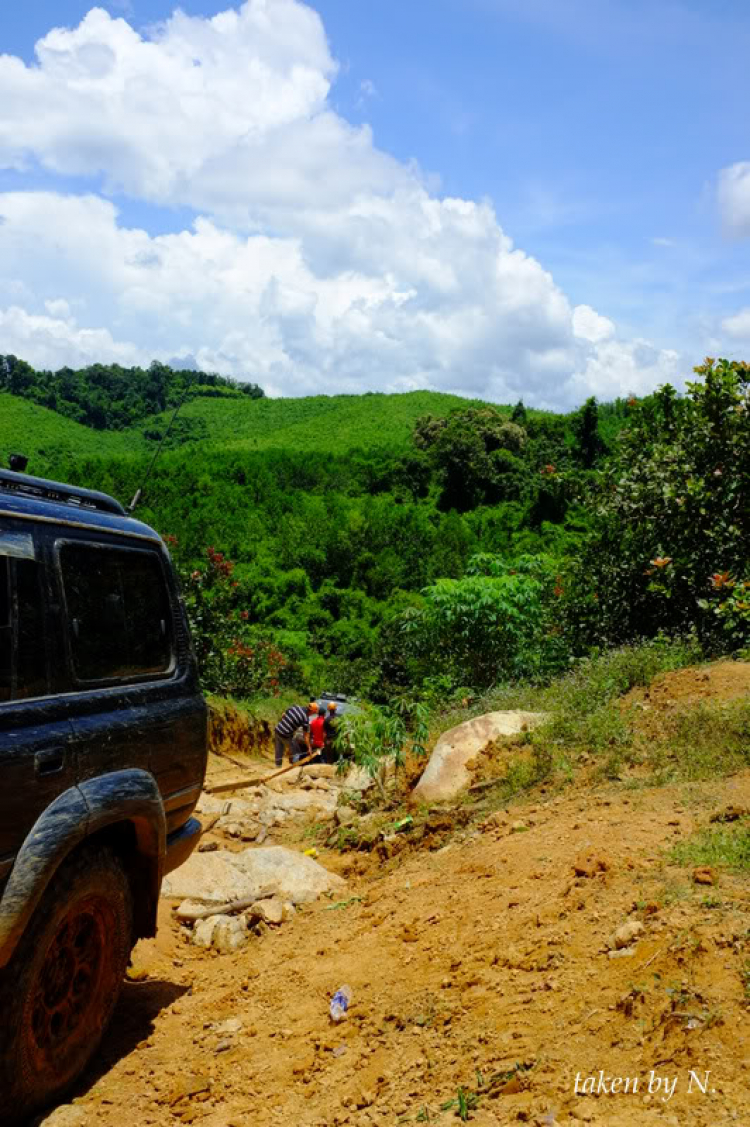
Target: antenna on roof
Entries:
(139, 491)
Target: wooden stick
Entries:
(650, 961)
(224, 788)
(209, 823)
(219, 909)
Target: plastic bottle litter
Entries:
(340, 1002)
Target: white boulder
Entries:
(221, 877)
(446, 774)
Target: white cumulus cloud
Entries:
(316, 262)
(734, 198)
(590, 325)
(49, 339)
(738, 326)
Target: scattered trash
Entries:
(339, 1050)
(340, 1002)
(311, 853)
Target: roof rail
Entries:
(43, 490)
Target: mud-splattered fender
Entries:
(130, 799)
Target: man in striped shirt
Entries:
(294, 718)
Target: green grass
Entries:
(720, 846)
(704, 742)
(588, 727)
(585, 715)
(269, 708)
(596, 682)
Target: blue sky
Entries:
(598, 130)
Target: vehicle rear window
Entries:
(118, 612)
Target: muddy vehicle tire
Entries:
(58, 993)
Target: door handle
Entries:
(49, 760)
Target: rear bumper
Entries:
(181, 844)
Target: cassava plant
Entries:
(384, 736)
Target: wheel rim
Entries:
(66, 993)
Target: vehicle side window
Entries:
(118, 612)
(23, 664)
(6, 632)
(31, 662)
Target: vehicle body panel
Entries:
(83, 758)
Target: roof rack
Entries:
(43, 490)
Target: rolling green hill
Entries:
(335, 423)
(55, 445)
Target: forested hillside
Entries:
(423, 544)
(109, 397)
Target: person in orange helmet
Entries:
(318, 733)
(295, 720)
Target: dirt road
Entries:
(484, 965)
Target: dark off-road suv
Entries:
(102, 759)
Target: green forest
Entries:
(418, 545)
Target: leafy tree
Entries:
(588, 446)
(389, 733)
(671, 541)
(476, 454)
(548, 496)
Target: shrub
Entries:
(234, 657)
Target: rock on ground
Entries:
(346, 816)
(225, 933)
(446, 774)
(358, 778)
(271, 911)
(242, 817)
(625, 934)
(220, 877)
(66, 1116)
